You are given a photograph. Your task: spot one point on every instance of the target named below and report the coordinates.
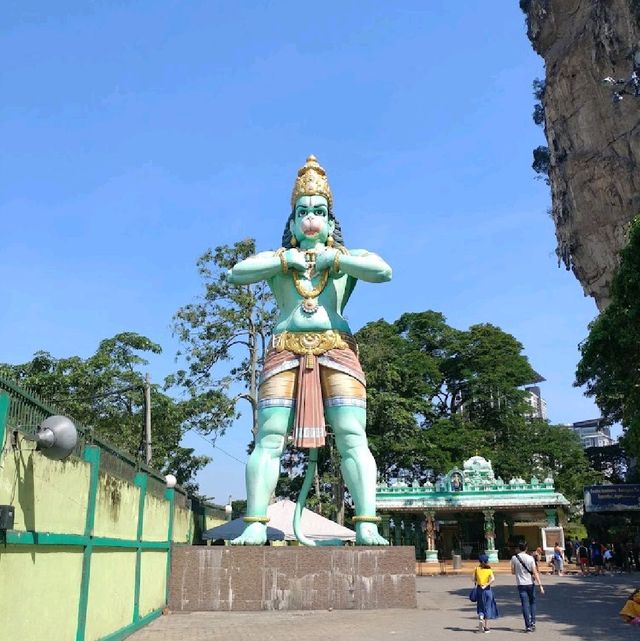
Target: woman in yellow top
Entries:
(486, 606)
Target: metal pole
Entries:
(147, 419)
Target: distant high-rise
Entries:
(592, 433)
(537, 403)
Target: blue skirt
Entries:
(486, 604)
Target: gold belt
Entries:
(311, 344)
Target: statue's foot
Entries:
(254, 534)
(367, 534)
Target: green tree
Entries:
(224, 335)
(437, 395)
(105, 393)
(613, 462)
(610, 355)
(399, 387)
(537, 448)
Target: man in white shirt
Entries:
(524, 567)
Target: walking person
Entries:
(595, 551)
(576, 547)
(568, 550)
(558, 560)
(583, 558)
(537, 556)
(607, 557)
(527, 575)
(486, 606)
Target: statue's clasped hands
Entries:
(296, 260)
(325, 259)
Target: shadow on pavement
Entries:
(582, 607)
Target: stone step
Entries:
(501, 567)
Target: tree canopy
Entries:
(224, 334)
(610, 355)
(105, 393)
(429, 384)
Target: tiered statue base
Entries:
(493, 555)
(221, 578)
(432, 556)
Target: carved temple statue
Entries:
(311, 376)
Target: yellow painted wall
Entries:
(39, 592)
(48, 496)
(182, 525)
(154, 580)
(212, 521)
(531, 534)
(40, 585)
(111, 592)
(156, 519)
(116, 508)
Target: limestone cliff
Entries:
(594, 144)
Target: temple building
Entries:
(470, 511)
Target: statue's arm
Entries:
(366, 266)
(262, 266)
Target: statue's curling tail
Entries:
(302, 498)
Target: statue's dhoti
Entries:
(310, 372)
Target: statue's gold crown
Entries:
(311, 181)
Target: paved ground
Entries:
(573, 608)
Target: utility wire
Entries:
(217, 447)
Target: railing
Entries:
(27, 411)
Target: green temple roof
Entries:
(472, 487)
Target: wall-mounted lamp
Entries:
(56, 437)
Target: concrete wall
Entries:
(89, 554)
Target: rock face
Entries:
(594, 145)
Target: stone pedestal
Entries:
(493, 555)
(432, 556)
(219, 578)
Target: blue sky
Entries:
(138, 134)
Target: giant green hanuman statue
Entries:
(311, 373)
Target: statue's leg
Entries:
(345, 411)
(275, 416)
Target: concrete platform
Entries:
(227, 578)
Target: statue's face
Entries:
(311, 219)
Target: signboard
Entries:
(611, 498)
(551, 536)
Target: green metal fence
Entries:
(26, 411)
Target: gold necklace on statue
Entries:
(310, 296)
(310, 302)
